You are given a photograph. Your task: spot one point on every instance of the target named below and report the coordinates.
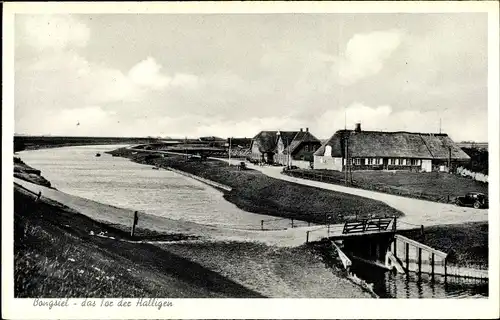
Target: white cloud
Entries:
(54, 31)
(147, 73)
(365, 55)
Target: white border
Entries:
(257, 308)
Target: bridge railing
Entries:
(373, 224)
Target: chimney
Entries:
(307, 129)
(357, 127)
(300, 129)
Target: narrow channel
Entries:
(388, 284)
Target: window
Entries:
(370, 161)
(415, 162)
(357, 161)
(380, 161)
(392, 161)
(404, 162)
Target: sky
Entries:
(177, 75)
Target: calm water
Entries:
(394, 285)
(123, 183)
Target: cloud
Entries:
(53, 32)
(365, 55)
(147, 73)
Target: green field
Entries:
(432, 186)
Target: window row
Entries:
(380, 161)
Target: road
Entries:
(417, 212)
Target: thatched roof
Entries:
(266, 140)
(300, 137)
(393, 145)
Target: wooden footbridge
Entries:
(379, 241)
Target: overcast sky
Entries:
(238, 74)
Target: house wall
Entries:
(301, 164)
(255, 152)
(327, 163)
(332, 163)
(306, 151)
(281, 159)
(426, 165)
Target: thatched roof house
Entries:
(287, 145)
(388, 150)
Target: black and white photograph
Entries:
(227, 151)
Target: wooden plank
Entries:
(420, 245)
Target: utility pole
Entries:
(346, 157)
(287, 153)
(229, 151)
(439, 125)
(449, 159)
(185, 147)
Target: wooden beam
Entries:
(421, 245)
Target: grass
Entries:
(432, 186)
(54, 256)
(255, 192)
(25, 172)
(466, 244)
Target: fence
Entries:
(282, 223)
(474, 175)
(327, 178)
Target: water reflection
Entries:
(394, 285)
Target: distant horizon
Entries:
(197, 137)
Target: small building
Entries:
(377, 150)
(296, 148)
(285, 147)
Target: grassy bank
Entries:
(466, 244)
(57, 254)
(255, 192)
(432, 186)
(25, 172)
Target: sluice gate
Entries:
(373, 242)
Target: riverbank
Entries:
(62, 253)
(466, 244)
(255, 192)
(27, 173)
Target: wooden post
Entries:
(394, 226)
(407, 253)
(292, 223)
(307, 236)
(395, 248)
(432, 265)
(308, 223)
(261, 224)
(422, 232)
(419, 260)
(134, 223)
(445, 271)
(39, 195)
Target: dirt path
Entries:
(418, 212)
